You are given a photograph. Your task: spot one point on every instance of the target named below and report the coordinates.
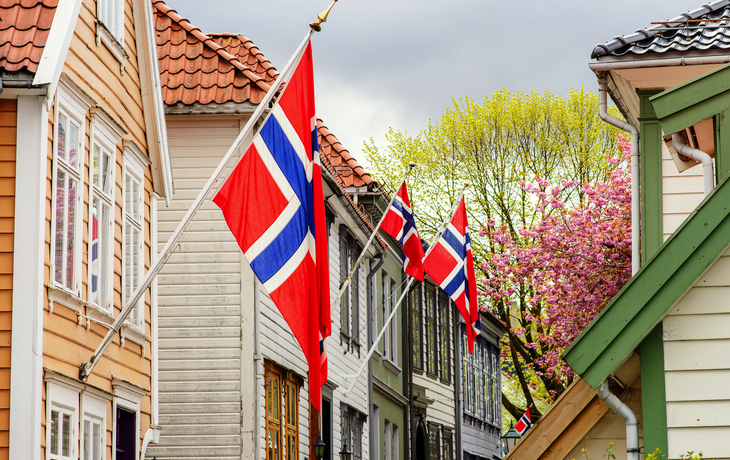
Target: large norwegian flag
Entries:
(274, 205)
(400, 224)
(451, 265)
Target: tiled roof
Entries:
(24, 28)
(676, 36)
(248, 54)
(194, 68)
(349, 172)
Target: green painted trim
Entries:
(645, 299)
(652, 219)
(653, 394)
(722, 145)
(693, 101)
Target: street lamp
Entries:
(511, 437)
(319, 447)
(345, 453)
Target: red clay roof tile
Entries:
(347, 170)
(24, 28)
(195, 68)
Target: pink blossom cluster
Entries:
(553, 278)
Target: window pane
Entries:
(66, 451)
(96, 440)
(73, 142)
(393, 323)
(277, 398)
(87, 440)
(431, 329)
(355, 333)
(61, 139)
(70, 231)
(60, 226)
(416, 325)
(55, 426)
(385, 302)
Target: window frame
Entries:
(393, 322)
(352, 430)
(65, 399)
(385, 302)
(103, 137)
(355, 302)
(434, 442)
(75, 110)
(444, 336)
(93, 409)
(414, 301)
(133, 169)
(345, 267)
(112, 35)
(431, 320)
(127, 396)
(284, 410)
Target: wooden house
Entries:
(232, 376)
(660, 344)
(83, 160)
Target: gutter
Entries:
(671, 62)
(631, 129)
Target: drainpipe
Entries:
(374, 424)
(629, 128)
(698, 155)
(623, 411)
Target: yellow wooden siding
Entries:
(66, 343)
(8, 123)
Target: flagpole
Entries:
(403, 294)
(346, 283)
(245, 134)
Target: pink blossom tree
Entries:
(548, 281)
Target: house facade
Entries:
(658, 345)
(84, 160)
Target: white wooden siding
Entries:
(682, 192)
(696, 335)
(200, 301)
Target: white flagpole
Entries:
(403, 294)
(246, 134)
(346, 282)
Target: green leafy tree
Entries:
(498, 145)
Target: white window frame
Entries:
(64, 398)
(395, 447)
(385, 301)
(110, 28)
(128, 396)
(94, 409)
(105, 136)
(394, 322)
(74, 109)
(134, 170)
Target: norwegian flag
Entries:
(274, 204)
(400, 224)
(524, 423)
(451, 265)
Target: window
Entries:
(393, 323)
(282, 413)
(62, 404)
(101, 222)
(352, 424)
(385, 290)
(431, 359)
(110, 14)
(350, 303)
(444, 322)
(480, 380)
(434, 442)
(68, 196)
(414, 301)
(93, 428)
(133, 237)
(391, 447)
(126, 410)
(448, 446)
(395, 443)
(387, 437)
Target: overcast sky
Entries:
(399, 63)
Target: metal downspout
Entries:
(623, 411)
(708, 173)
(632, 424)
(629, 128)
(374, 424)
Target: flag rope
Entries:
(402, 296)
(346, 282)
(246, 134)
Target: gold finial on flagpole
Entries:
(322, 17)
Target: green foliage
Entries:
(497, 145)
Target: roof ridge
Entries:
(210, 43)
(250, 46)
(619, 41)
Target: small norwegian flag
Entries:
(524, 423)
(400, 224)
